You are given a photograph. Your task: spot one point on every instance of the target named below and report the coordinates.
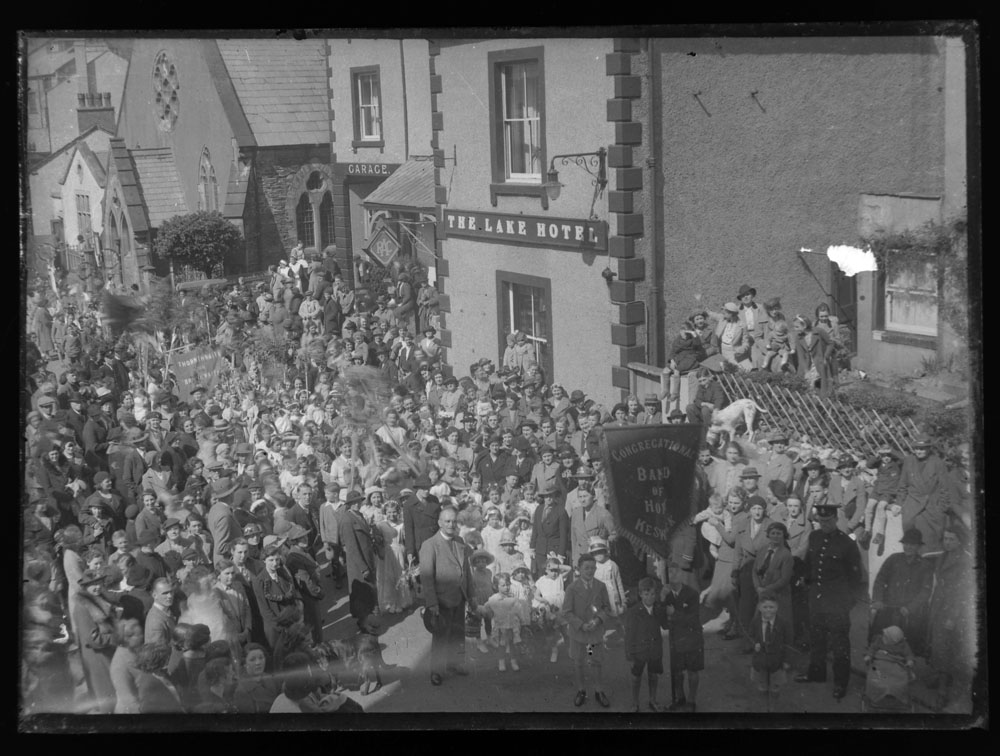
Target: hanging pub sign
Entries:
(382, 246)
(535, 231)
(652, 491)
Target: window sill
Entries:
(368, 143)
(906, 339)
(514, 189)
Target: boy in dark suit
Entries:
(769, 638)
(687, 645)
(643, 642)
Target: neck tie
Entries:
(767, 633)
(767, 562)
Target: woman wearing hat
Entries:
(773, 570)
(734, 341)
(274, 588)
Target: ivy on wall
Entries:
(946, 245)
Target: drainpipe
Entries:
(406, 126)
(654, 307)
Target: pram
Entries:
(887, 684)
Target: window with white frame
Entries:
(911, 298)
(524, 304)
(366, 91)
(521, 121)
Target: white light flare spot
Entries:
(852, 260)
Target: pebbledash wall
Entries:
(773, 145)
(576, 91)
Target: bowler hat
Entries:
(548, 488)
(651, 399)
(431, 621)
(914, 536)
(222, 487)
(749, 472)
(577, 396)
(423, 481)
(744, 290)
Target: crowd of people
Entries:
(180, 550)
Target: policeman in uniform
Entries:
(833, 575)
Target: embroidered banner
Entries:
(651, 483)
(199, 367)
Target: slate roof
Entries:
(160, 184)
(282, 87)
(121, 164)
(410, 187)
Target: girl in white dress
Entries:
(393, 592)
(509, 615)
(550, 591)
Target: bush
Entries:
(889, 403)
(202, 240)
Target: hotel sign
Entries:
(535, 231)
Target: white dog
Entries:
(727, 418)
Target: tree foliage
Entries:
(202, 240)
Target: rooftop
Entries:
(282, 86)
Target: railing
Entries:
(827, 422)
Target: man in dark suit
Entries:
(643, 641)
(421, 513)
(687, 643)
(446, 577)
(550, 528)
(769, 637)
(247, 568)
(355, 537)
